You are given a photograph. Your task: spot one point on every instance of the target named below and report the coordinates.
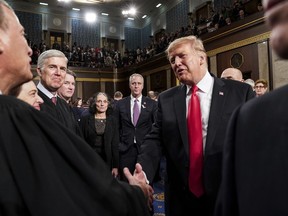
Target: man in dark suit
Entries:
(218, 98)
(255, 153)
(133, 128)
(52, 67)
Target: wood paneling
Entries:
(89, 88)
(249, 67)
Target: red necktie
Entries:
(194, 126)
(54, 100)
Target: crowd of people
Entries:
(223, 155)
(80, 55)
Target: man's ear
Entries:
(39, 72)
(202, 59)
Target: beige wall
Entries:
(280, 72)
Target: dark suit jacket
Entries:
(255, 165)
(111, 137)
(170, 132)
(62, 112)
(127, 131)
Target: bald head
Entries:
(233, 74)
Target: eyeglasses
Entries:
(259, 87)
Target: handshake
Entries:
(139, 179)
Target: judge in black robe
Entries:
(47, 170)
(61, 111)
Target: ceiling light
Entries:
(90, 17)
(143, 17)
(158, 5)
(130, 18)
(42, 3)
(76, 9)
(105, 14)
(64, 0)
(132, 11)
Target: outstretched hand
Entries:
(139, 179)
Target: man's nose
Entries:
(177, 60)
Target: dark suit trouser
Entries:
(184, 203)
(128, 159)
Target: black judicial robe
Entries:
(255, 159)
(47, 170)
(61, 111)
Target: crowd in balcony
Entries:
(87, 56)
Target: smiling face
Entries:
(15, 52)
(53, 73)
(187, 63)
(29, 94)
(277, 17)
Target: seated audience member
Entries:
(233, 74)
(45, 168)
(228, 21)
(66, 91)
(261, 87)
(101, 132)
(259, 6)
(28, 92)
(242, 14)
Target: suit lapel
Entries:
(180, 110)
(219, 96)
(127, 107)
(142, 109)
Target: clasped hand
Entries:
(138, 178)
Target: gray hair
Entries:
(49, 54)
(3, 23)
(135, 75)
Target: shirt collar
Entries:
(139, 98)
(204, 84)
(45, 91)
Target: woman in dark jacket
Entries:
(100, 131)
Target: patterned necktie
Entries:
(194, 126)
(136, 112)
(54, 100)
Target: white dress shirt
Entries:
(45, 91)
(204, 92)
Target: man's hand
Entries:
(139, 179)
